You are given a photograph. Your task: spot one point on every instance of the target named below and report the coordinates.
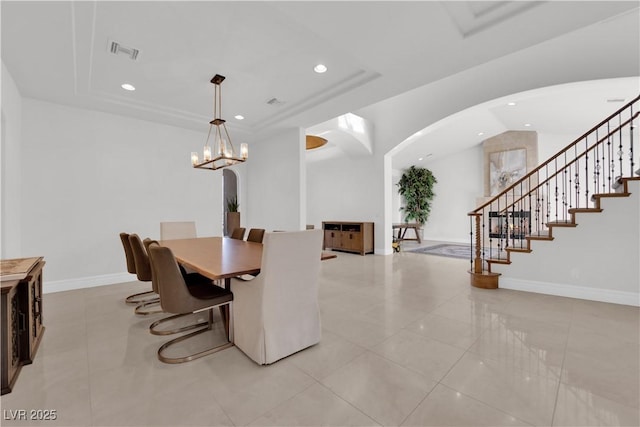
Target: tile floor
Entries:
(406, 341)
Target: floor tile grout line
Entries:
(350, 404)
(564, 357)
(286, 400)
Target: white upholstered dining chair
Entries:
(277, 313)
(177, 230)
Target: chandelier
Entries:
(220, 153)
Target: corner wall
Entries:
(88, 176)
(11, 130)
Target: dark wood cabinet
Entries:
(348, 236)
(22, 325)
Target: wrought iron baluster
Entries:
(548, 193)
(586, 171)
(631, 129)
(555, 164)
(611, 162)
(596, 165)
(620, 150)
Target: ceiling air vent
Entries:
(118, 49)
(615, 100)
(275, 102)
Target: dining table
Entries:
(221, 258)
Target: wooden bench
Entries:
(402, 231)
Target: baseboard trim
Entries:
(85, 282)
(571, 291)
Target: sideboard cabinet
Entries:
(22, 328)
(348, 236)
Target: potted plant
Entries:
(233, 214)
(416, 186)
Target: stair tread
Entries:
(566, 223)
(523, 250)
(499, 261)
(585, 210)
(484, 273)
(596, 196)
(539, 237)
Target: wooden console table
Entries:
(21, 308)
(402, 230)
(348, 236)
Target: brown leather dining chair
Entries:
(176, 297)
(143, 271)
(156, 328)
(139, 298)
(255, 235)
(238, 233)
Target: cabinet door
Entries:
(11, 348)
(330, 239)
(352, 240)
(31, 306)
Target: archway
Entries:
(230, 191)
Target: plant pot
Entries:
(233, 222)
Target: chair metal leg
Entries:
(200, 354)
(142, 297)
(154, 325)
(142, 311)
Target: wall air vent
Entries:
(118, 49)
(615, 100)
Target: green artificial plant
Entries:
(416, 186)
(232, 204)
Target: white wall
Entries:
(550, 144)
(340, 190)
(460, 184)
(276, 182)
(11, 130)
(87, 176)
(597, 260)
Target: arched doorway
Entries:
(230, 191)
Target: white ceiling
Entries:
(569, 110)
(58, 51)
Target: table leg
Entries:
(224, 310)
(415, 229)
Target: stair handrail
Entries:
(548, 161)
(578, 157)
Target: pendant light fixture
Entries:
(220, 152)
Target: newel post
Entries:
(477, 262)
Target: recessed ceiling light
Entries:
(511, 104)
(127, 86)
(419, 159)
(239, 117)
(480, 133)
(320, 68)
(527, 125)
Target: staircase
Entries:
(598, 165)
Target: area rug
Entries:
(452, 251)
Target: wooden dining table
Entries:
(220, 258)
